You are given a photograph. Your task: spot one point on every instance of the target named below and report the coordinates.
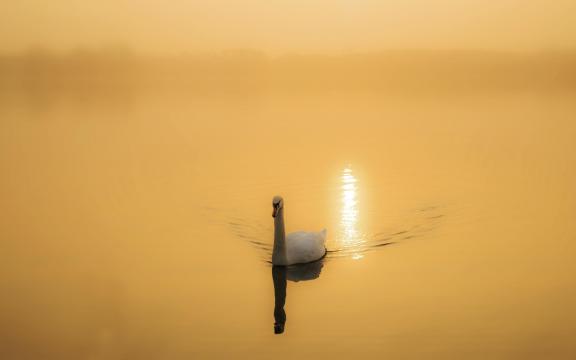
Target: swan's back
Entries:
(303, 247)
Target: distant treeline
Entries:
(245, 70)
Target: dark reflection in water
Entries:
(280, 276)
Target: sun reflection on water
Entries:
(349, 236)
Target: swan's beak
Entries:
(275, 211)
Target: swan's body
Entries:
(298, 247)
(304, 247)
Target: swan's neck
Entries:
(279, 252)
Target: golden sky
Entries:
(277, 26)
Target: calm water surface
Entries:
(136, 225)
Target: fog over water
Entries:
(141, 145)
(281, 26)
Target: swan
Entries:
(298, 247)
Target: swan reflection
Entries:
(280, 277)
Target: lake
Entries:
(136, 224)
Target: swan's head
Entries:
(277, 204)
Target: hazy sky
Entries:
(288, 25)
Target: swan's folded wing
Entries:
(304, 246)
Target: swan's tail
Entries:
(323, 234)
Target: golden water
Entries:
(135, 225)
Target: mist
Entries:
(281, 26)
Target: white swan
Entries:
(298, 247)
